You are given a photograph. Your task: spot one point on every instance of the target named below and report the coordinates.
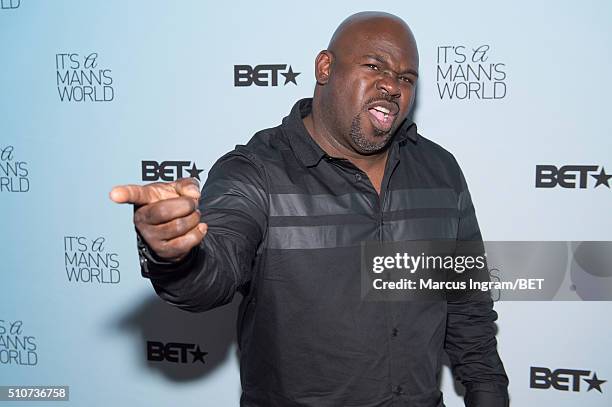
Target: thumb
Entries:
(188, 187)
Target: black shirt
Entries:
(285, 226)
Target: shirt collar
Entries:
(307, 150)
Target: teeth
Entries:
(382, 109)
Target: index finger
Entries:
(134, 194)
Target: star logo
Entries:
(198, 355)
(290, 76)
(194, 172)
(594, 382)
(602, 178)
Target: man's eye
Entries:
(372, 66)
(407, 79)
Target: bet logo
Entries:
(174, 352)
(571, 176)
(169, 170)
(263, 75)
(563, 379)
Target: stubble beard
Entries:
(364, 145)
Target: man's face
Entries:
(372, 86)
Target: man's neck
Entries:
(330, 144)
(373, 165)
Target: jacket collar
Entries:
(307, 150)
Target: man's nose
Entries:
(388, 84)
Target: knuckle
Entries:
(193, 237)
(142, 229)
(190, 220)
(140, 216)
(163, 249)
(162, 211)
(178, 226)
(189, 204)
(145, 232)
(176, 247)
(183, 201)
(194, 218)
(191, 181)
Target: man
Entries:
(281, 221)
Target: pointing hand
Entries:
(167, 215)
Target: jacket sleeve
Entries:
(234, 205)
(470, 330)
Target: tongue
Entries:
(379, 115)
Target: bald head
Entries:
(366, 24)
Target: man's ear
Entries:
(323, 64)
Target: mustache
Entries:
(382, 98)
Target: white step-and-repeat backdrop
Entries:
(94, 94)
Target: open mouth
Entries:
(381, 117)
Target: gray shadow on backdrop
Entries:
(214, 331)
